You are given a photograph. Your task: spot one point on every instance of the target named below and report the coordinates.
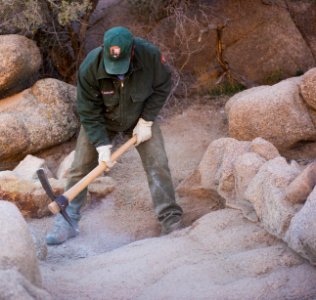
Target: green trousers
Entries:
(155, 164)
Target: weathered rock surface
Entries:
(307, 88)
(266, 191)
(301, 235)
(299, 189)
(22, 187)
(258, 41)
(276, 113)
(215, 170)
(37, 118)
(263, 186)
(303, 14)
(15, 286)
(63, 168)
(17, 248)
(27, 195)
(20, 61)
(218, 169)
(27, 168)
(222, 256)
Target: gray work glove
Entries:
(142, 131)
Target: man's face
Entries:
(115, 52)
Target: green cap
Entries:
(118, 42)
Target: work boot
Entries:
(170, 224)
(61, 231)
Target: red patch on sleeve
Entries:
(162, 59)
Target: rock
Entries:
(17, 248)
(227, 181)
(14, 286)
(27, 195)
(264, 148)
(303, 14)
(267, 194)
(215, 171)
(40, 244)
(27, 168)
(266, 61)
(276, 113)
(246, 166)
(101, 186)
(308, 89)
(63, 168)
(37, 118)
(256, 48)
(221, 256)
(301, 235)
(20, 61)
(299, 189)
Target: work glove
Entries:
(105, 155)
(142, 131)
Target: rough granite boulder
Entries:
(20, 61)
(13, 286)
(307, 88)
(17, 247)
(37, 118)
(276, 113)
(221, 256)
(301, 235)
(27, 195)
(20, 276)
(258, 41)
(266, 191)
(22, 187)
(300, 188)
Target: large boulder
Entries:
(20, 276)
(300, 188)
(307, 89)
(37, 118)
(221, 256)
(276, 113)
(301, 235)
(266, 191)
(20, 61)
(13, 285)
(226, 170)
(258, 43)
(303, 14)
(27, 195)
(22, 187)
(17, 247)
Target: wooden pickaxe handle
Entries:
(85, 181)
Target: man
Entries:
(121, 88)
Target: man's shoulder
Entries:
(92, 60)
(144, 46)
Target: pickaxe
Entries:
(60, 203)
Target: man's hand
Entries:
(105, 155)
(142, 131)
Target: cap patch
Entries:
(115, 51)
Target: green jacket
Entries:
(105, 102)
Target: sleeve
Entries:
(90, 109)
(161, 88)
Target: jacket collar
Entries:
(136, 64)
